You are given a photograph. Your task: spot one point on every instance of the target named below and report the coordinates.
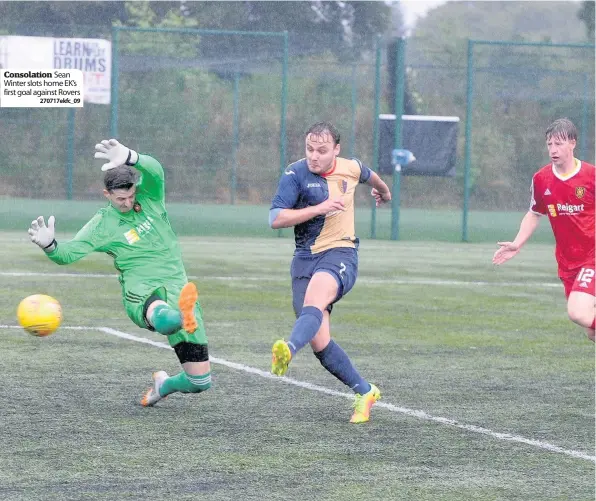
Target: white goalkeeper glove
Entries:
(41, 234)
(117, 154)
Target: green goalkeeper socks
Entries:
(185, 383)
(166, 320)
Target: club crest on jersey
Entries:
(580, 191)
(343, 186)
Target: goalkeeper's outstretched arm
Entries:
(152, 178)
(89, 239)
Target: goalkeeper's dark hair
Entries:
(120, 178)
(321, 128)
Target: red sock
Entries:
(593, 326)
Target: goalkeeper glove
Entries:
(41, 234)
(117, 154)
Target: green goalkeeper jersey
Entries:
(142, 242)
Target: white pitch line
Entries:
(309, 386)
(274, 278)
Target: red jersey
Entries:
(569, 203)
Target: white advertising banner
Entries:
(92, 56)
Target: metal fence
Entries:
(225, 111)
(205, 106)
(514, 91)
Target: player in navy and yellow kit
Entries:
(135, 231)
(316, 196)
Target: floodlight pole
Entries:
(236, 136)
(399, 110)
(70, 152)
(395, 192)
(375, 164)
(467, 160)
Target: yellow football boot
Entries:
(363, 404)
(280, 357)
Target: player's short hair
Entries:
(562, 128)
(321, 128)
(120, 178)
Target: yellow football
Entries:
(39, 315)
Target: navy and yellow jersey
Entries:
(299, 188)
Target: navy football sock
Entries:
(335, 360)
(305, 328)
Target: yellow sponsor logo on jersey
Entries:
(132, 236)
(551, 209)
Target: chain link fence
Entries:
(516, 90)
(225, 111)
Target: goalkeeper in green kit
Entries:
(135, 231)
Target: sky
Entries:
(413, 9)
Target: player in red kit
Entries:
(564, 191)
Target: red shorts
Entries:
(580, 281)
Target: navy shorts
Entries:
(341, 263)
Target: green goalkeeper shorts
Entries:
(134, 300)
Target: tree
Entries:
(54, 18)
(517, 90)
(586, 14)
(342, 27)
